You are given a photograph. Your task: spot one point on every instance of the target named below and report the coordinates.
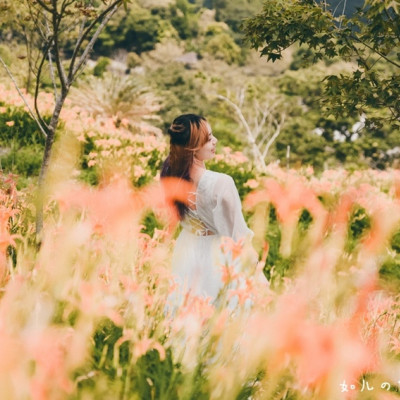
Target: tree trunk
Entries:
(45, 166)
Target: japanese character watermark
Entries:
(365, 385)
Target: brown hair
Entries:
(188, 133)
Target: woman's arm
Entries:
(227, 213)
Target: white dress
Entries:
(215, 212)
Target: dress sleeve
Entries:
(227, 213)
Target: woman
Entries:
(213, 209)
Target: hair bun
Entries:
(181, 128)
(179, 133)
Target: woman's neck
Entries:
(197, 170)
(197, 164)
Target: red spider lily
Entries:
(11, 348)
(229, 245)
(48, 348)
(162, 197)
(143, 346)
(320, 352)
(385, 218)
(397, 186)
(289, 200)
(6, 239)
(116, 209)
(242, 294)
(228, 274)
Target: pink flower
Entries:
(251, 183)
(144, 345)
(229, 245)
(228, 274)
(10, 123)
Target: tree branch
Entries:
(39, 73)
(240, 115)
(35, 20)
(274, 136)
(376, 51)
(257, 154)
(56, 19)
(53, 78)
(23, 97)
(45, 6)
(72, 69)
(89, 47)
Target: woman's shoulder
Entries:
(219, 176)
(217, 182)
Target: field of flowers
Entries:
(84, 316)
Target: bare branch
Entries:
(256, 151)
(38, 76)
(36, 22)
(56, 19)
(241, 97)
(46, 7)
(51, 67)
(53, 78)
(72, 69)
(274, 136)
(239, 114)
(23, 97)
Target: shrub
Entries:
(17, 126)
(25, 161)
(223, 47)
(101, 66)
(133, 60)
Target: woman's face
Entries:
(207, 152)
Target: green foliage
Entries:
(223, 47)
(105, 338)
(359, 224)
(25, 161)
(371, 37)
(389, 272)
(90, 176)
(390, 269)
(148, 377)
(101, 66)
(184, 18)
(240, 174)
(5, 54)
(23, 131)
(276, 265)
(136, 29)
(395, 242)
(133, 60)
(183, 93)
(21, 141)
(233, 12)
(300, 59)
(338, 143)
(150, 223)
(225, 130)
(155, 378)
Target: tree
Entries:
(136, 30)
(50, 25)
(262, 120)
(370, 38)
(234, 11)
